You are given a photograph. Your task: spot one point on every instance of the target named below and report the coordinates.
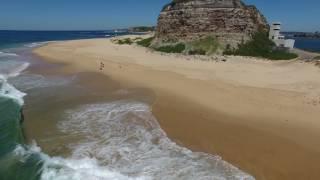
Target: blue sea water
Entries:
(308, 44)
(120, 139)
(13, 38)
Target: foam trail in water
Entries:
(7, 90)
(11, 67)
(3, 54)
(17, 70)
(125, 137)
(30, 81)
(83, 169)
(57, 168)
(36, 44)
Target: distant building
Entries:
(279, 39)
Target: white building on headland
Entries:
(279, 39)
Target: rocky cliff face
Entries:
(230, 21)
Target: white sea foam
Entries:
(36, 44)
(7, 90)
(82, 169)
(31, 45)
(30, 81)
(125, 137)
(57, 168)
(18, 69)
(11, 68)
(3, 54)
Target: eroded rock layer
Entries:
(231, 21)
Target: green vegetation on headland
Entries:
(145, 42)
(177, 48)
(260, 46)
(124, 41)
(205, 46)
(167, 48)
(142, 42)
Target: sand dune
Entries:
(260, 115)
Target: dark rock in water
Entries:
(22, 116)
(230, 21)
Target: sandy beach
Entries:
(261, 116)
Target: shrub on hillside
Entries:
(177, 48)
(260, 46)
(125, 41)
(281, 55)
(205, 46)
(197, 52)
(145, 42)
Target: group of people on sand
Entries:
(101, 66)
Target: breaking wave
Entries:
(125, 137)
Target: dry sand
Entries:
(259, 115)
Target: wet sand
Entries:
(263, 154)
(240, 110)
(45, 106)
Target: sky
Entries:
(296, 15)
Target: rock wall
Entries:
(231, 21)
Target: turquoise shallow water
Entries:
(13, 164)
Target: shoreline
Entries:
(306, 55)
(309, 51)
(256, 124)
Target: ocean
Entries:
(56, 126)
(308, 44)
